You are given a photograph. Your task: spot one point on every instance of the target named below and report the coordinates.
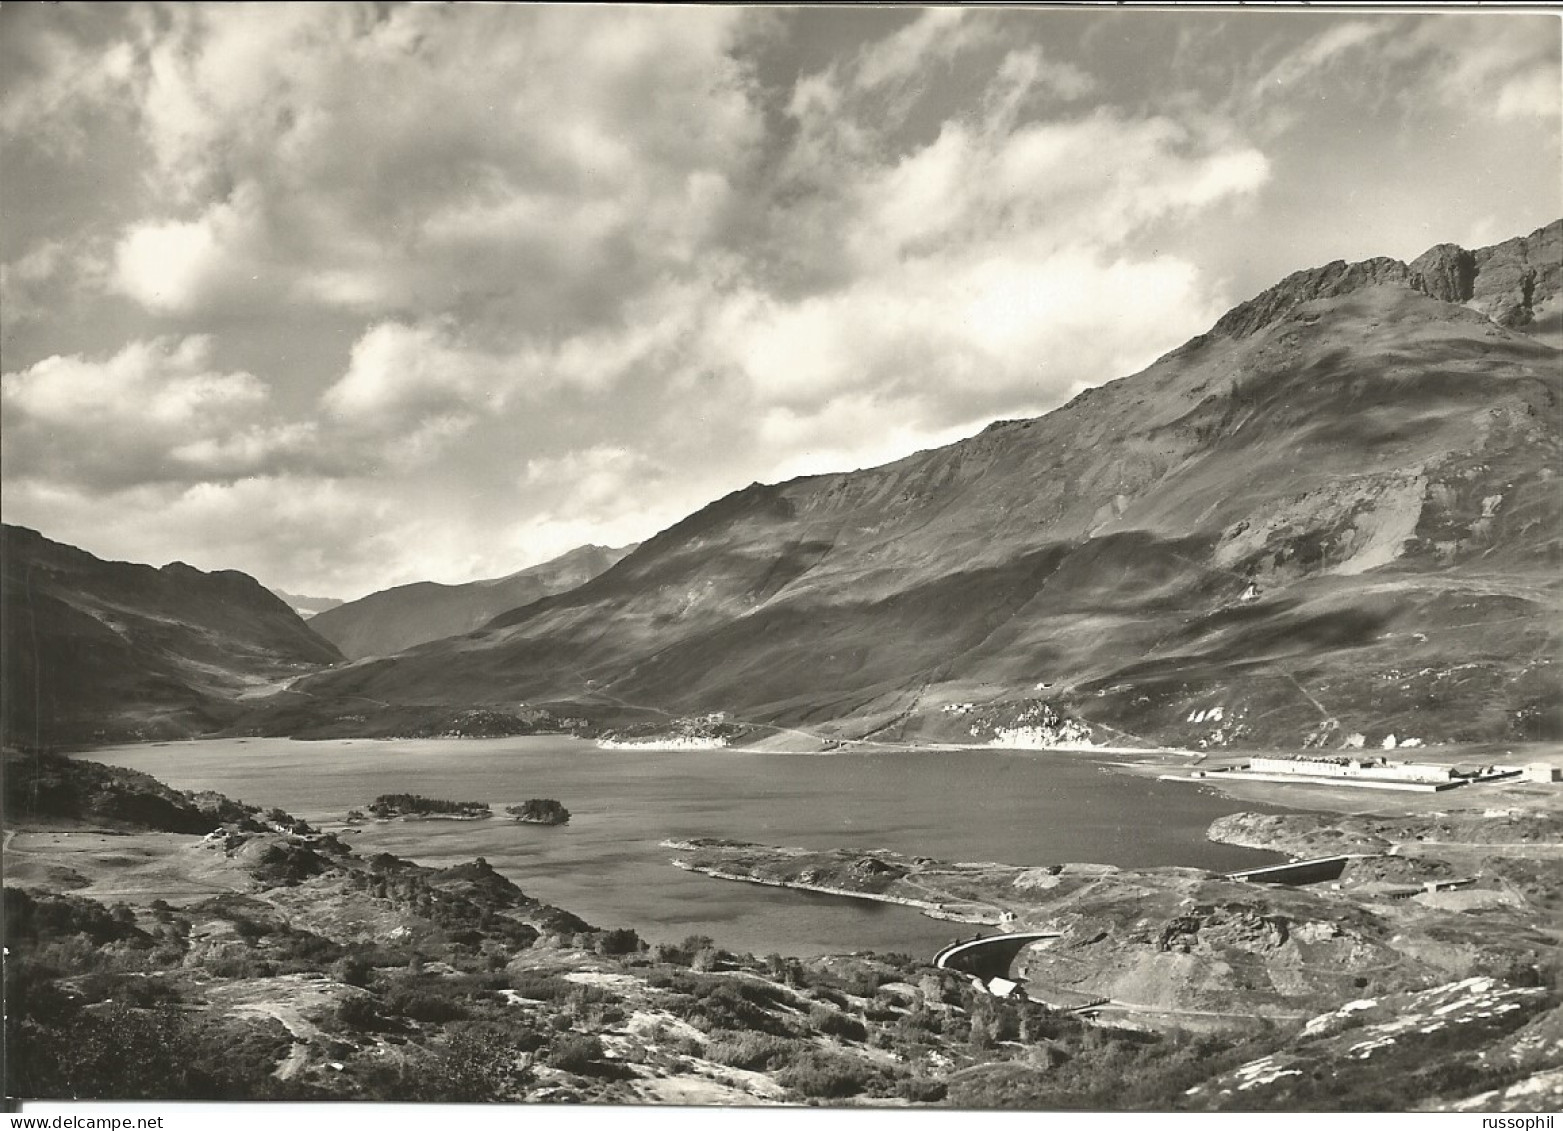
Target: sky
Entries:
(347, 296)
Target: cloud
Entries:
(416, 381)
(1505, 67)
(1534, 92)
(25, 282)
(155, 411)
(440, 290)
(55, 81)
(433, 159)
(936, 35)
(175, 267)
(1321, 53)
(328, 533)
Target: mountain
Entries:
(392, 620)
(307, 607)
(1335, 514)
(1333, 519)
(104, 651)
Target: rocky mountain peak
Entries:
(1329, 281)
(1509, 282)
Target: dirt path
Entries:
(303, 1032)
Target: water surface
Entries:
(1014, 807)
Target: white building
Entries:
(1347, 766)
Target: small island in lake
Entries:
(539, 811)
(389, 805)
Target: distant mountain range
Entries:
(97, 651)
(392, 620)
(1333, 518)
(307, 607)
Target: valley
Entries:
(758, 770)
(1335, 513)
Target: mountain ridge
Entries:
(405, 616)
(99, 650)
(1343, 425)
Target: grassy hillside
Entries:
(393, 620)
(101, 651)
(1336, 513)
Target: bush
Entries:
(142, 992)
(723, 1003)
(757, 1052)
(836, 1024)
(250, 930)
(358, 1014)
(619, 941)
(353, 970)
(921, 1091)
(540, 986)
(827, 1077)
(1001, 1086)
(119, 1054)
(472, 1068)
(422, 1005)
(576, 1053)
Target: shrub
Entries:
(352, 969)
(241, 965)
(540, 986)
(757, 1052)
(922, 1091)
(824, 1076)
(358, 1014)
(118, 1054)
(142, 992)
(723, 1005)
(249, 929)
(619, 941)
(424, 1006)
(836, 1024)
(471, 1068)
(576, 1053)
(669, 953)
(1001, 1086)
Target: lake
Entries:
(1010, 806)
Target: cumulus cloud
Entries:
(488, 281)
(155, 411)
(175, 267)
(415, 382)
(525, 167)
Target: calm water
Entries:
(1014, 807)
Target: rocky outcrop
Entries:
(1447, 272)
(1329, 281)
(1212, 930)
(1516, 277)
(1506, 282)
